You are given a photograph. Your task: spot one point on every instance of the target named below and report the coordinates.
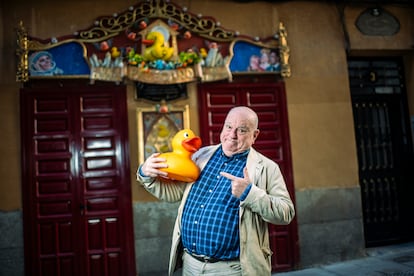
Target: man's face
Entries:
(238, 133)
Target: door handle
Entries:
(82, 209)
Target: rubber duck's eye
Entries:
(186, 135)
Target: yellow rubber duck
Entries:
(180, 165)
(115, 52)
(157, 50)
(203, 52)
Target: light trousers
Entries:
(194, 267)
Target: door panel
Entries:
(385, 151)
(100, 166)
(78, 219)
(381, 169)
(268, 101)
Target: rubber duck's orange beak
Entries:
(192, 144)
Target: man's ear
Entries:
(256, 133)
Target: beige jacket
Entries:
(267, 202)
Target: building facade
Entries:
(339, 50)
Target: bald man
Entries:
(222, 222)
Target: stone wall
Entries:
(330, 225)
(11, 244)
(153, 226)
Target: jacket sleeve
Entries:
(163, 189)
(269, 197)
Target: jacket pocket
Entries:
(267, 253)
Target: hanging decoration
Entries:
(154, 42)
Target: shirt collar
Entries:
(235, 156)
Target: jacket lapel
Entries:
(254, 166)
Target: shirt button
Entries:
(202, 206)
(195, 222)
(210, 191)
(218, 176)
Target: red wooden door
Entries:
(268, 100)
(76, 181)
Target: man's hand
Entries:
(152, 165)
(238, 184)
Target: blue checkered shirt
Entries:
(210, 220)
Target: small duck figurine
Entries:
(115, 52)
(158, 49)
(180, 165)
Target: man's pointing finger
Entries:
(246, 174)
(228, 176)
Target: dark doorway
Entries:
(384, 146)
(76, 181)
(269, 101)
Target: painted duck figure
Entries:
(157, 50)
(180, 165)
